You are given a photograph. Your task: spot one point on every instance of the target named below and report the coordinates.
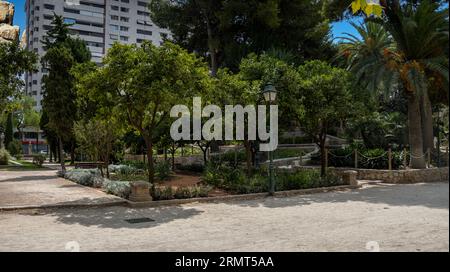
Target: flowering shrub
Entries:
(90, 177)
(124, 169)
(118, 188)
(167, 193)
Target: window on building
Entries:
(49, 7)
(144, 32)
(143, 13)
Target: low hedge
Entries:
(4, 157)
(85, 177)
(118, 188)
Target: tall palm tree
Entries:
(400, 51)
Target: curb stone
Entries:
(151, 204)
(219, 199)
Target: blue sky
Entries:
(19, 19)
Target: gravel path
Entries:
(384, 217)
(36, 188)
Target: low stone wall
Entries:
(401, 176)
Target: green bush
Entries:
(136, 164)
(118, 188)
(305, 179)
(4, 157)
(229, 158)
(15, 149)
(343, 157)
(39, 159)
(192, 192)
(85, 177)
(167, 193)
(212, 175)
(233, 179)
(163, 170)
(124, 169)
(370, 159)
(162, 193)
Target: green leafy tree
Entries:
(97, 138)
(227, 31)
(14, 62)
(139, 85)
(63, 53)
(321, 98)
(9, 136)
(417, 50)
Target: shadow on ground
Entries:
(431, 195)
(114, 217)
(28, 178)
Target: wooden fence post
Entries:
(356, 158)
(326, 158)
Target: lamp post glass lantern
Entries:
(270, 95)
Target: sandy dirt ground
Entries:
(377, 217)
(43, 187)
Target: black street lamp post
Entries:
(270, 95)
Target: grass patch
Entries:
(26, 166)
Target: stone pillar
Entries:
(140, 191)
(350, 178)
(8, 32)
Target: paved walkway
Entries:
(384, 217)
(44, 188)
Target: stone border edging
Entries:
(151, 204)
(175, 202)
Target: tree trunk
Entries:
(72, 153)
(61, 155)
(173, 156)
(212, 49)
(57, 154)
(50, 153)
(248, 157)
(415, 133)
(151, 167)
(427, 122)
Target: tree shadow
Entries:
(28, 178)
(431, 195)
(114, 217)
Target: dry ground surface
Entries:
(391, 217)
(43, 187)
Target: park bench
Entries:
(89, 165)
